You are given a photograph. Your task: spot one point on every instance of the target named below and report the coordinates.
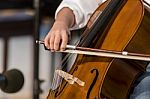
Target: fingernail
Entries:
(62, 49)
(52, 50)
(47, 47)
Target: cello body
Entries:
(109, 78)
(134, 68)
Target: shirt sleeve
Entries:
(82, 10)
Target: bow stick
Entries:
(103, 53)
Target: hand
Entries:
(57, 37)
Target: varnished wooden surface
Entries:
(93, 70)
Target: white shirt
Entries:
(82, 10)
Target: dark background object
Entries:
(11, 81)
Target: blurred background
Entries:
(21, 23)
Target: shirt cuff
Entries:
(77, 12)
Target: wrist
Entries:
(66, 16)
(62, 23)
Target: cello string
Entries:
(60, 66)
(64, 61)
(67, 58)
(56, 79)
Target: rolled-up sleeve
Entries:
(82, 10)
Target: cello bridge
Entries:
(69, 78)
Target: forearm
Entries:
(66, 16)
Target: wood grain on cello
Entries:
(117, 26)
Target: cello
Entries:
(97, 77)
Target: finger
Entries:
(64, 41)
(47, 41)
(57, 42)
(52, 42)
